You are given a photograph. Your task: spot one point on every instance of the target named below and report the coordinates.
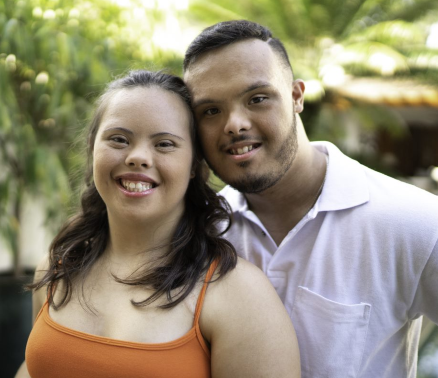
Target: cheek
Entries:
(97, 162)
(208, 139)
(182, 172)
(275, 124)
(102, 163)
(97, 171)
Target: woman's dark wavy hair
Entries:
(228, 32)
(197, 241)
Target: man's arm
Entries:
(426, 296)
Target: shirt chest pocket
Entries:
(331, 335)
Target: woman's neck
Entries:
(133, 244)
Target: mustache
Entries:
(239, 138)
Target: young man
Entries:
(352, 253)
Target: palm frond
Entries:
(210, 12)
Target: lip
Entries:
(135, 177)
(139, 177)
(244, 156)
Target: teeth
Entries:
(136, 187)
(241, 151)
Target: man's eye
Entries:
(211, 111)
(257, 99)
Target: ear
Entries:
(298, 88)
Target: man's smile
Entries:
(243, 150)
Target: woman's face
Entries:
(143, 155)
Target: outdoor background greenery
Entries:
(57, 55)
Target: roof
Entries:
(392, 92)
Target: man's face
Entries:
(243, 99)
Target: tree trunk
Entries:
(16, 228)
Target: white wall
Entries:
(34, 239)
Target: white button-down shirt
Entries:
(355, 274)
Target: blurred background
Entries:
(371, 73)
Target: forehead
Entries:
(151, 106)
(240, 63)
(143, 100)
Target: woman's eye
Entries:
(257, 99)
(211, 111)
(119, 139)
(166, 144)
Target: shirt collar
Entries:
(345, 184)
(236, 199)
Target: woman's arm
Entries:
(38, 299)
(248, 327)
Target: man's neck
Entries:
(281, 207)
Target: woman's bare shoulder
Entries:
(240, 293)
(246, 278)
(243, 309)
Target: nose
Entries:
(237, 123)
(139, 156)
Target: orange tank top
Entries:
(55, 351)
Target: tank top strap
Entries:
(201, 297)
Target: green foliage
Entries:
(427, 366)
(309, 28)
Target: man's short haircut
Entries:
(228, 32)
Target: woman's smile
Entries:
(136, 185)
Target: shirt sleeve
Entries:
(426, 296)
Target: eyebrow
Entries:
(119, 129)
(256, 85)
(162, 133)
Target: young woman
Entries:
(123, 292)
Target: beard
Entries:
(258, 182)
